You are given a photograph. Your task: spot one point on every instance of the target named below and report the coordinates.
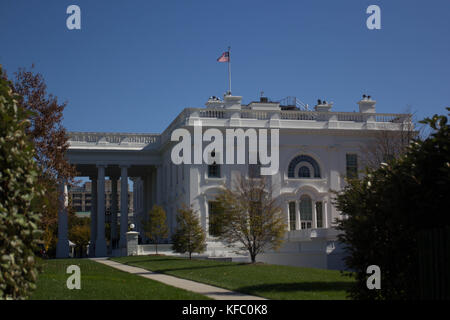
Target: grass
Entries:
(101, 282)
(270, 281)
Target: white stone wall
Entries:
(329, 150)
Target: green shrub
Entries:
(18, 188)
(390, 207)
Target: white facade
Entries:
(315, 149)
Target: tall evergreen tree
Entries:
(389, 210)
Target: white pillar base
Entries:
(132, 243)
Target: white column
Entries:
(314, 214)
(113, 211)
(159, 179)
(141, 206)
(288, 216)
(153, 186)
(100, 243)
(135, 211)
(62, 247)
(93, 216)
(137, 204)
(123, 206)
(146, 200)
(325, 214)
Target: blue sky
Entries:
(135, 65)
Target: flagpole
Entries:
(229, 71)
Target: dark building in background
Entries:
(81, 198)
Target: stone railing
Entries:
(113, 139)
(297, 115)
(289, 118)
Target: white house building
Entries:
(317, 150)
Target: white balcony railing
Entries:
(109, 139)
(297, 115)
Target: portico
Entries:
(117, 157)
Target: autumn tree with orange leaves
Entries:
(50, 142)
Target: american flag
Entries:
(225, 57)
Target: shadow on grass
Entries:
(130, 262)
(297, 286)
(147, 264)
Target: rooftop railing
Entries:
(103, 138)
(297, 115)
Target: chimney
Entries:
(323, 106)
(214, 102)
(366, 104)
(232, 102)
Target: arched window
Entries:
(303, 172)
(303, 158)
(305, 212)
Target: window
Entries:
(352, 166)
(254, 170)
(303, 172)
(319, 214)
(213, 211)
(292, 215)
(214, 170)
(303, 158)
(305, 212)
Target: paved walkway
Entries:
(205, 289)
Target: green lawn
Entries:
(270, 281)
(101, 282)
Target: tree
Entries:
(156, 227)
(189, 235)
(47, 131)
(250, 217)
(18, 188)
(388, 210)
(386, 145)
(79, 233)
(79, 229)
(50, 142)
